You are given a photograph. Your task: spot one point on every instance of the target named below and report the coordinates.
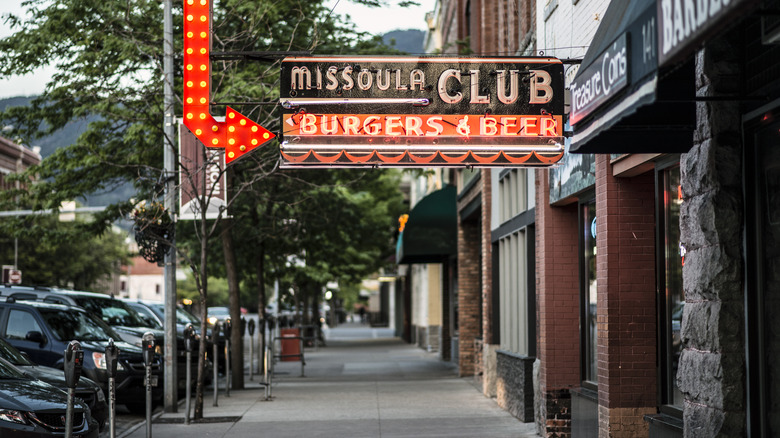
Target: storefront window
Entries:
(768, 215)
(673, 298)
(589, 331)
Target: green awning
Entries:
(431, 233)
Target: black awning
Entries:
(431, 233)
(646, 111)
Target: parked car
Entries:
(43, 330)
(87, 390)
(153, 312)
(33, 408)
(115, 312)
(217, 315)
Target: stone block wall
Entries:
(712, 364)
(515, 385)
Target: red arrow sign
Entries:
(237, 134)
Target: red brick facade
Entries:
(487, 260)
(469, 279)
(625, 269)
(557, 286)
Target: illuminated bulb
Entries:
(242, 122)
(243, 148)
(203, 34)
(215, 141)
(190, 2)
(189, 51)
(232, 141)
(203, 116)
(254, 141)
(198, 132)
(203, 18)
(265, 135)
(203, 51)
(254, 129)
(231, 154)
(189, 83)
(231, 128)
(189, 66)
(189, 115)
(203, 84)
(189, 17)
(203, 2)
(203, 100)
(203, 67)
(232, 115)
(189, 34)
(189, 100)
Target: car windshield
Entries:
(218, 311)
(113, 312)
(8, 371)
(78, 325)
(13, 355)
(182, 316)
(185, 317)
(148, 316)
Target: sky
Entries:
(366, 19)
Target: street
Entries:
(364, 383)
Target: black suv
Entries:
(88, 391)
(43, 331)
(114, 312)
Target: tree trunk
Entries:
(261, 303)
(236, 334)
(203, 287)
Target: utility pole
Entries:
(169, 161)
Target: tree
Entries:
(65, 256)
(109, 57)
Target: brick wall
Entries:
(626, 318)
(469, 279)
(557, 286)
(487, 259)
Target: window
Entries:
(20, 323)
(588, 292)
(671, 299)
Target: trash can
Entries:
(291, 345)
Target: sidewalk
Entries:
(364, 383)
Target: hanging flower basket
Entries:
(154, 230)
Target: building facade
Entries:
(630, 291)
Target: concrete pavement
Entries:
(364, 383)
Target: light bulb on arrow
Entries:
(237, 134)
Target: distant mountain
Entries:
(65, 137)
(48, 144)
(410, 41)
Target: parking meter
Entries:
(189, 345)
(243, 326)
(112, 355)
(228, 336)
(215, 342)
(147, 344)
(251, 328)
(74, 359)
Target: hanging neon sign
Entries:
(421, 111)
